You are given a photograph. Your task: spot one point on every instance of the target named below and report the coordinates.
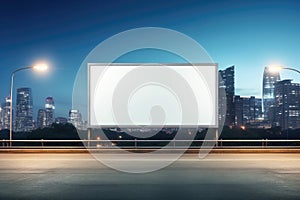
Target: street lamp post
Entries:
(41, 67)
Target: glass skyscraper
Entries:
(41, 119)
(49, 107)
(269, 79)
(5, 114)
(24, 111)
(227, 81)
(287, 104)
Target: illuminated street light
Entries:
(274, 68)
(39, 67)
(279, 68)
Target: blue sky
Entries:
(247, 34)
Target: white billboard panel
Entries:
(129, 95)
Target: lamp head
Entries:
(40, 67)
(274, 68)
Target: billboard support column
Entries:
(217, 136)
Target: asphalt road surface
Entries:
(218, 176)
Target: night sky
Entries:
(247, 34)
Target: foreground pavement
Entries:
(218, 176)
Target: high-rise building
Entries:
(41, 119)
(258, 109)
(221, 104)
(227, 80)
(75, 118)
(5, 113)
(238, 103)
(24, 114)
(247, 110)
(244, 110)
(286, 108)
(269, 79)
(49, 107)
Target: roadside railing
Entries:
(153, 144)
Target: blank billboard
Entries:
(139, 94)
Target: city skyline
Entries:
(24, 118)
(62, 34)
(61, 114)
(278, 106)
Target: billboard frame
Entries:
(216, 118)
